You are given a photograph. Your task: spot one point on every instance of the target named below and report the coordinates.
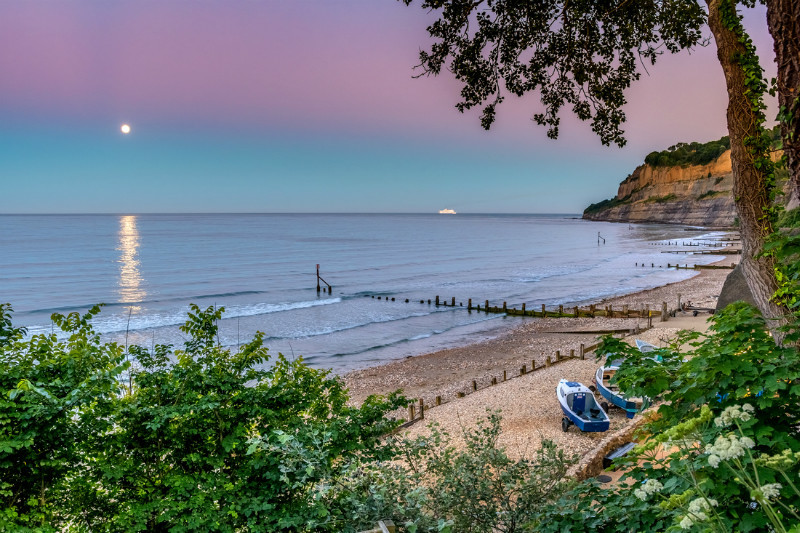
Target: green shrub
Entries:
(197, 439)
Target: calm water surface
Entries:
(261, 268)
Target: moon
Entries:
(126, 129)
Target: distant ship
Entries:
(447, 212)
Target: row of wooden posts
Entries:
(562, 312)
(416, 411)
(709, 244)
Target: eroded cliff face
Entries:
(695, 195)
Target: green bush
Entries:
(197, 439)
(433, 486)
(739, 473)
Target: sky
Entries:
(297, 106)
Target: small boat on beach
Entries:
(580, 408)
(644, 347)
(602, 380)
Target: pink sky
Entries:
(306, 68)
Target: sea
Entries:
(262, 268)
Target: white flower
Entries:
(772, 490)
(651, 486)
(713, 460)
(734, 412)
(728, 447)
(698, 512)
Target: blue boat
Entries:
(580, 408)
(611, 393)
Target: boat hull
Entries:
(615, 398)
(568, 393)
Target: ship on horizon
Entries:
(447, 211)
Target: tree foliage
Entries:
(580, 54)
(198, 439)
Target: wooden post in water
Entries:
(454, 301)
(505, 308)
(318, 289)
(487, 306)
(544, 313)
(523, 308)
(437, 299)
(469, 304)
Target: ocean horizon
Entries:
(148, 268)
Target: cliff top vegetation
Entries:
(695, 153)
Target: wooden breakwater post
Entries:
(411, 412)
(319, 278)
(572, 353)
(421, 409)
(469, 304)
(522, 370)
(474, 385)
(583, 351)
(438, 400)
(558, 355)
(548, 362)
(523, 309)
(544, 313)
(664, 314)
(454, 301)
(437, 299)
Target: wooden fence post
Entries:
(438, 400)
(572, 353)
(421, 409)
(411, 412)
(504, 376)
(547, 361)
(494, 381)
(558, 355)
(474, 385)
(664, 315)
(583, 351)
(522, 370)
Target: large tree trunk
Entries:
(750, 191)
(783, 18)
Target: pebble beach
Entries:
(527, 402)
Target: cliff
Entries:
(698, 195)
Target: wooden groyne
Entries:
(417, 409)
